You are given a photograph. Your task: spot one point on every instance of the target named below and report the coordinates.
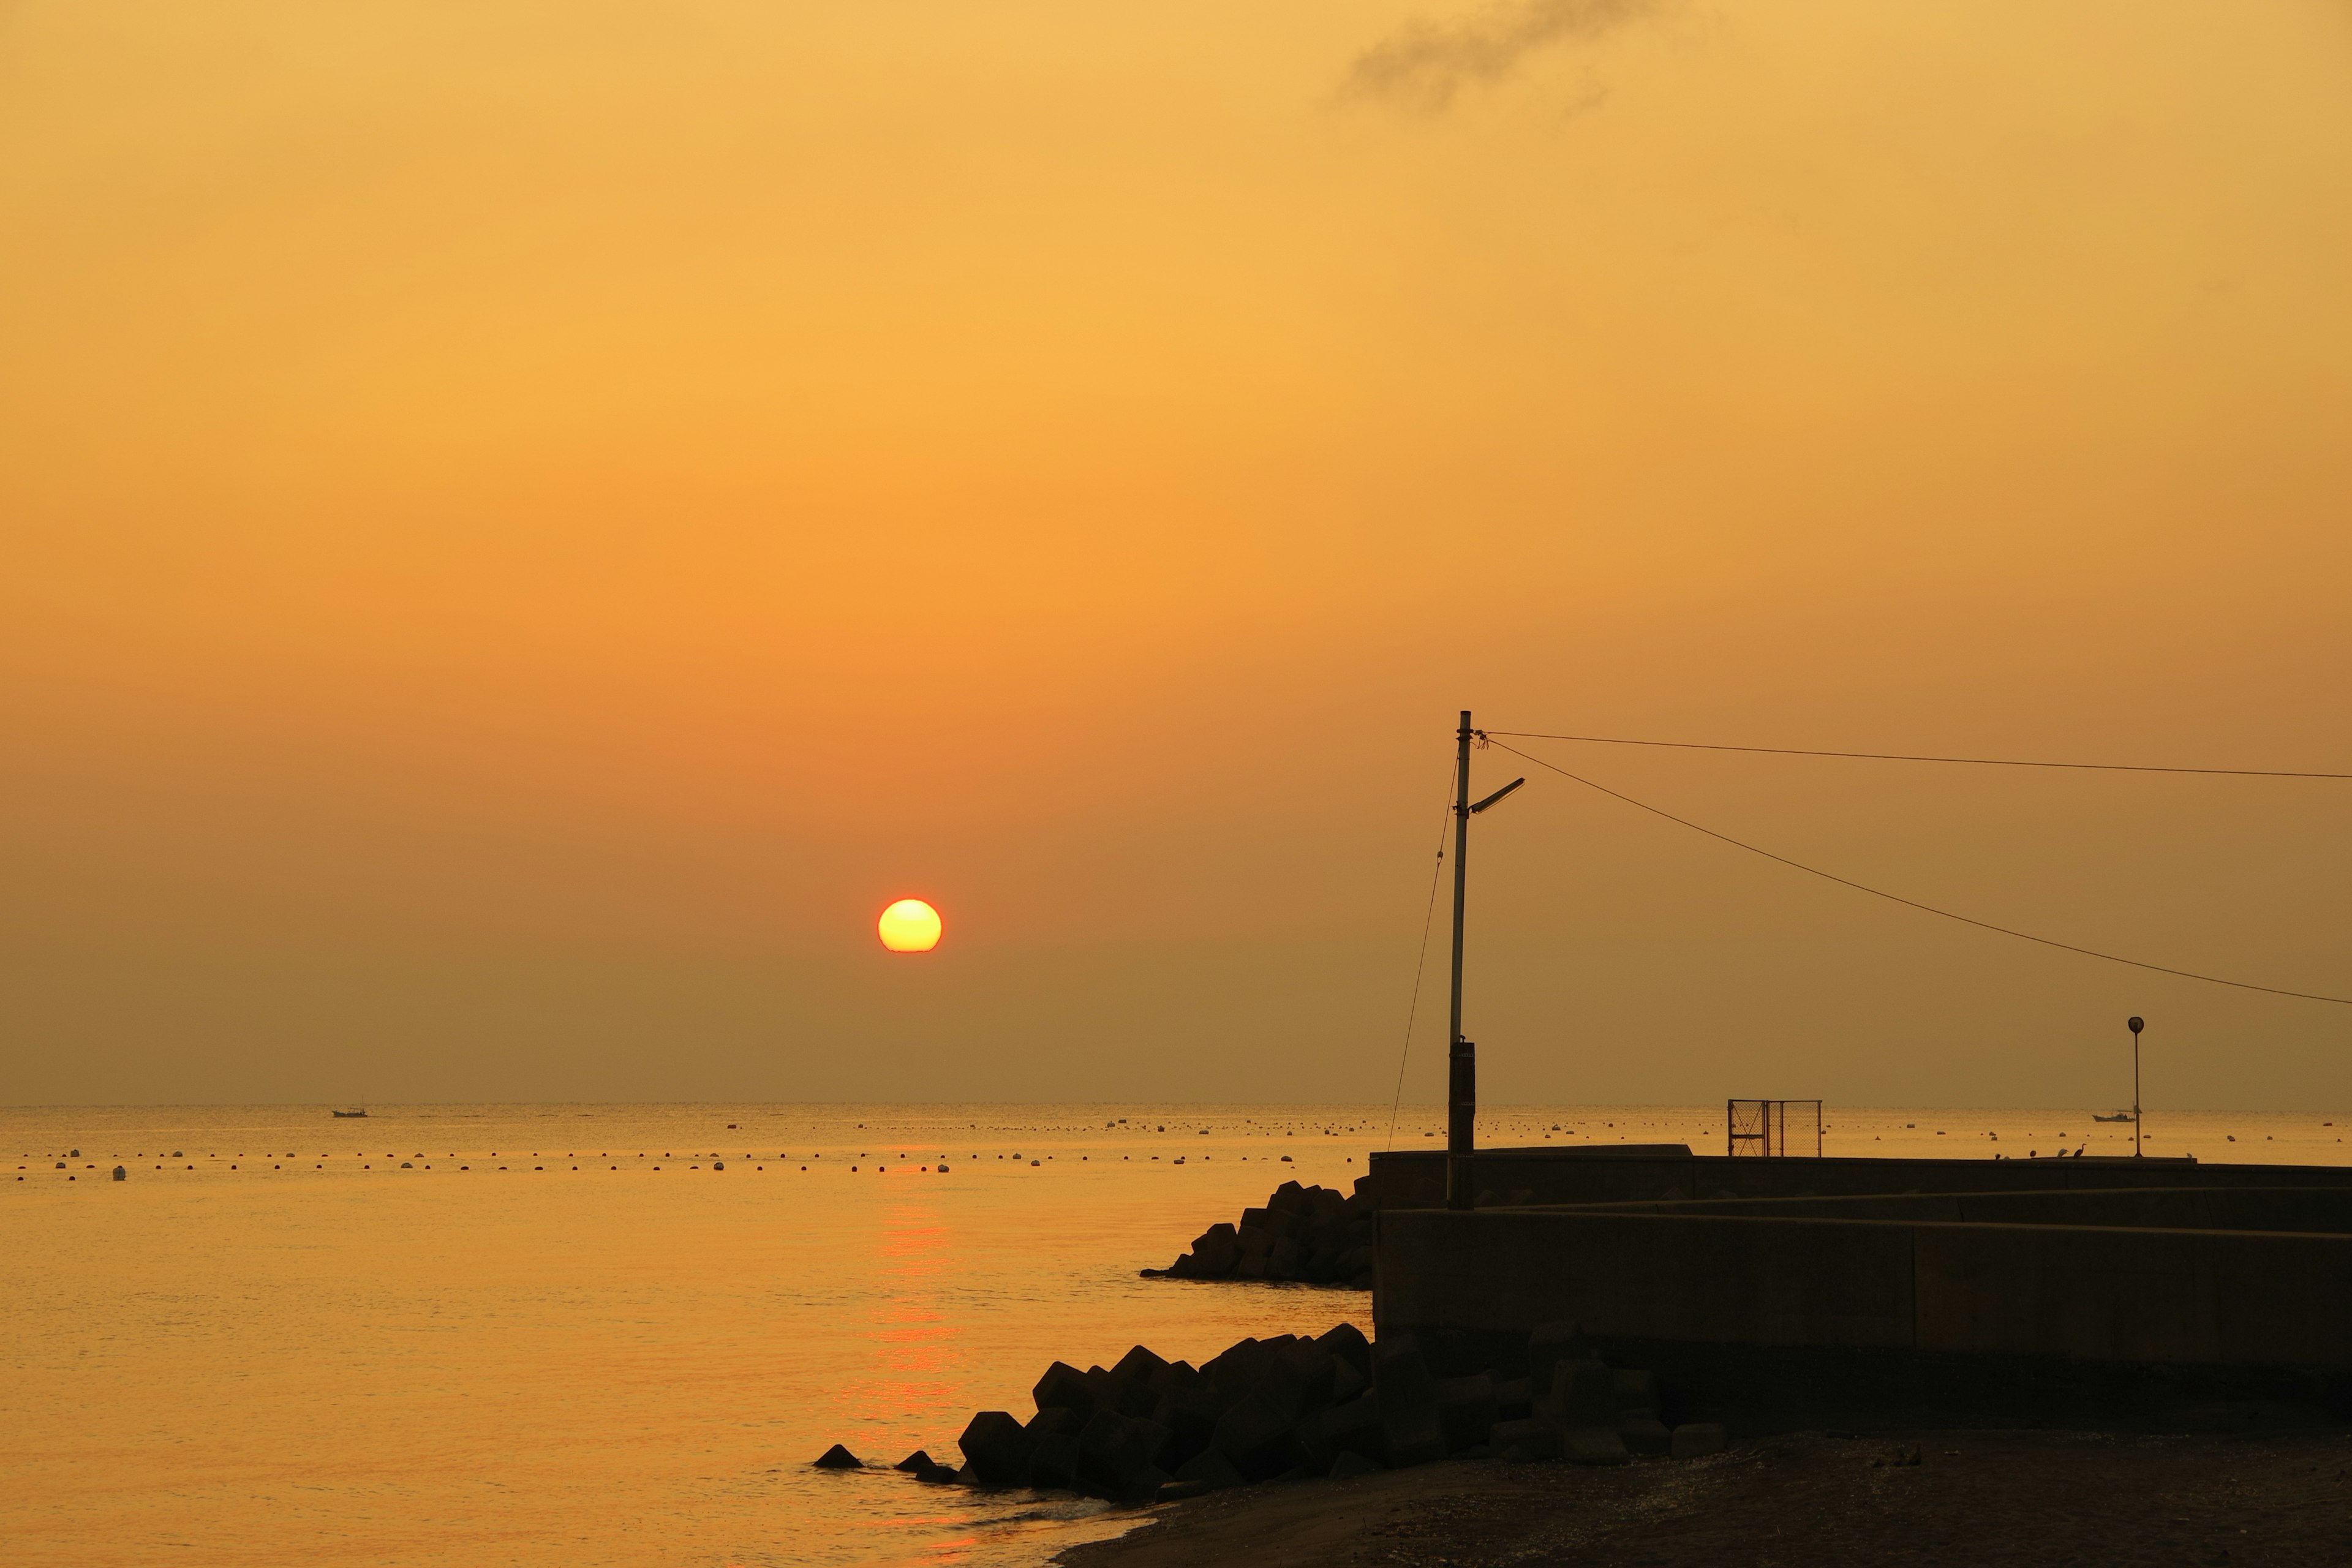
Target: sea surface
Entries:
(472, 1336)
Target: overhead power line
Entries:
(1913, 903)
(1907, 757)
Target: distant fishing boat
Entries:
(356, 1111)
(2118, 1116)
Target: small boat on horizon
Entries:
(355, 1110)
(2118, 1116)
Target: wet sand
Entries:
(1975, 1499)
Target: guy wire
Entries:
(1421, 963)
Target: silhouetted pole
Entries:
(2136, 1026)
(1462, 1058)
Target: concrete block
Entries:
(1065, 1386)
(1583, 1393)
(1139, 1366)
(1351, 1346)
(1117, 1457)
(1634, 1391)
(838, 1459)
(1103, 1386)
(1355, 1428)
(1236, 1367)
(1547, 1345)
(1513, 1400)
(1410, 1421)
(1351, 1464)
(1216, 1251)
(1594, 1446)
(1191, 1416)
(1466, 1410)
(1175, 1375)
(1311, 1450)
(996, 1449)
(1695, 1439)
(1212, 1470)
(1053, 1460)
(1646, 1434)
(1523, 1440)
(1054, 1419)
(1307, 1376)
(1254, 1436)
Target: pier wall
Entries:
(2117, 1293)
(2286, 1208)
(1411, 1178)
(2003, 1303)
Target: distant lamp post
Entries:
(2136, 1026)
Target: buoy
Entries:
(121, 1174)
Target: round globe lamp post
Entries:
(2136, 1026)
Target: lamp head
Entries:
(2136, 1025)
(1499, 794)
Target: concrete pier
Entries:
(2045, 1289)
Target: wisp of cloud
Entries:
(1424, 64)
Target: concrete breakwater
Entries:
(1289, 1408)
(1805, 1292)
(1318, 1236)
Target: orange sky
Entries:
(527, 524)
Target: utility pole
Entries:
(1462, 1059)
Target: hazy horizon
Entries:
(528, 525)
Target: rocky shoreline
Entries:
(1334, 1406)
(1316, 1235)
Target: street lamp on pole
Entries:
(2136, 1026)
(1462, 1055)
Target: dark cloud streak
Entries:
(1423, 65)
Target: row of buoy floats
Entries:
(717, 1163)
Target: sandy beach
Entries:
(1973, 1500)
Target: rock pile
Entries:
(1317, 1234)
(1289, 1409)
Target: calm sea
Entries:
(464, 1336)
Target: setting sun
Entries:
(909, 925)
